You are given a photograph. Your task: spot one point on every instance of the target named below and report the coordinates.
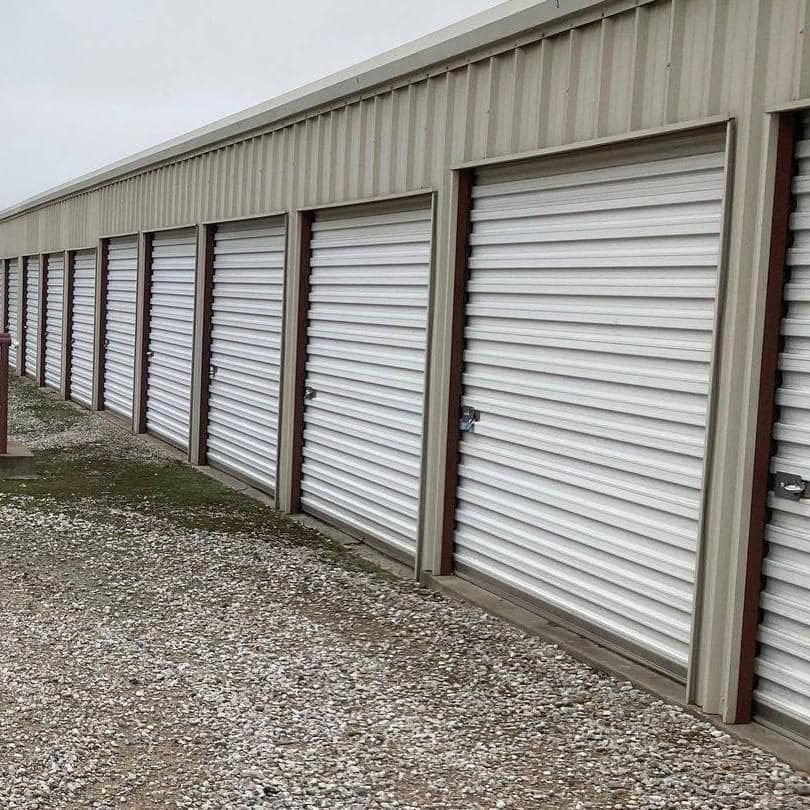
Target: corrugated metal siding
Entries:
(783, 660)
(633, 68)
(11, 311)
(171, 332)
(82, 334)
(119, 340)
(31, 323)
(588, 346)
(54, 301)
(366, 365)
(245, 360)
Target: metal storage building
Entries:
(523, 301)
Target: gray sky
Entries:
(86, 82)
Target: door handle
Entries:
(789, 485)
(469, 416)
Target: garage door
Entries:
(243, 389)
(82, 330)
(365, 373)
(54, 301)
(782, 666)
(11, 310)
(3, 294)
(588, 342)
(119, 342)
(31, 322)
(171, 336)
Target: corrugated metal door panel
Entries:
(246, 318)
(119, 342)
(31, 324)
(782, 666)
(588, 344)
(11, 312)
(54, 301)
(366, 342)
(171, 332)
(82, 337)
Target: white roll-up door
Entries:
(83, 325)
(31, 322)
(54, 301)
(365, 373)
(171, 335)
(4, 293)
(588, 344)
(245, 363)
(119, 342)
(12, 309)
(782, 665)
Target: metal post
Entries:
(5, 343)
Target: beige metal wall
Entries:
(630, 65)
(620, 67)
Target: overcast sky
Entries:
(86, 82)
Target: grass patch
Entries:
(112, 478)
(38, 406)
(166, 488)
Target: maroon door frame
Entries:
(766, 410)
(101, 304)
(460, 274)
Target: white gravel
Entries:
(148, 664)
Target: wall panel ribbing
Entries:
(607, 76)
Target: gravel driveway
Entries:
(169, 643)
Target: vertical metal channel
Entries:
(781, 673)
(22, 304)
(244, 361)
(305, 250)
(198, 450)
(82, 334)
(100, 331)
(460, 270)
(764, 446)
(719, 302)
(426, 409)
(169, 317)
(54, 304)
(67, 320)
(141, 349)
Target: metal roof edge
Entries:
(470, 34)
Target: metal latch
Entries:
(212, 372)
(789, 485)
(469, 416)
(309, 393)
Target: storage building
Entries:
(526, 302)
